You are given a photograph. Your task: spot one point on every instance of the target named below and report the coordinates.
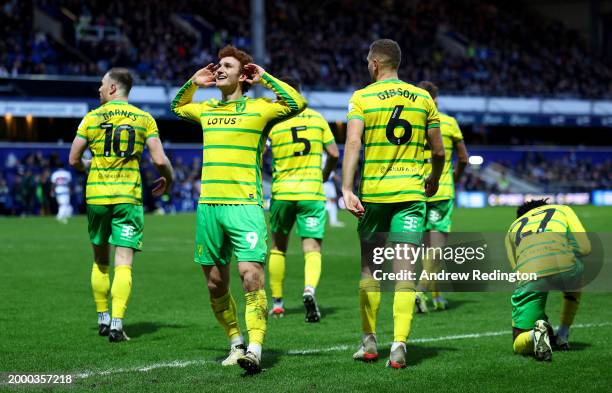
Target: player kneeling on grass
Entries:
(297, 195)
(116, 133)
(230, 214)
(547, 240)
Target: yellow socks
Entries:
(100, 284)
(312, 269)
(276, 272)
(425, 285)
(120, 292)
(224, 308)
(403, 307)
(523, 343)
(571, 301)
(369, 302)
(256, 316)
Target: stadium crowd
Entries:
(567, 174)
(500, 49)
(26, 188)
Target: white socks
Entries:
(256, 349)
(103, 318)
(117, 324)
(563, 332)
(332, 209)
(238, 340)
(368, 335)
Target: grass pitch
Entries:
(48, 322)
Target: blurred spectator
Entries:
(4, 198)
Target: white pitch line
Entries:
(321, 350)
(335, 348)
(172, 364)
(493, 334)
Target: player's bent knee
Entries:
(252, 274)
(216, 289)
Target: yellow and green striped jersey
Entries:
(451, 134)
(396, 116)
(116, 133)
(546, 240)
(297, 151)
(234, 136)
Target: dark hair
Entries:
(292, 81)
(431, 88)
(387, 51)
(240, 55)
(123, 78)
(529, 205)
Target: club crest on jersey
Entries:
(240, 106)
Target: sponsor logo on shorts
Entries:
(434, 215)
(411, 223)
(312, 222)
(127, 231)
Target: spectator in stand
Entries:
(5, 201)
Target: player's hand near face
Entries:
(254, 73)
(353, 204)
(205, 77)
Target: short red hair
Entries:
(240, 55)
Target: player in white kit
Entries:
(331, 205)
(61, 180)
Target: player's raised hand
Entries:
(253, 73)
(353, 204)
(160, 186)
(431, 186)
(205, 77)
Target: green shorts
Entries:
(439, 215)
(403, 220)
(310, 217)
(225, 229)
(120, 225)
(529, 304)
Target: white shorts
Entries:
(330, 190)
(63, 199)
